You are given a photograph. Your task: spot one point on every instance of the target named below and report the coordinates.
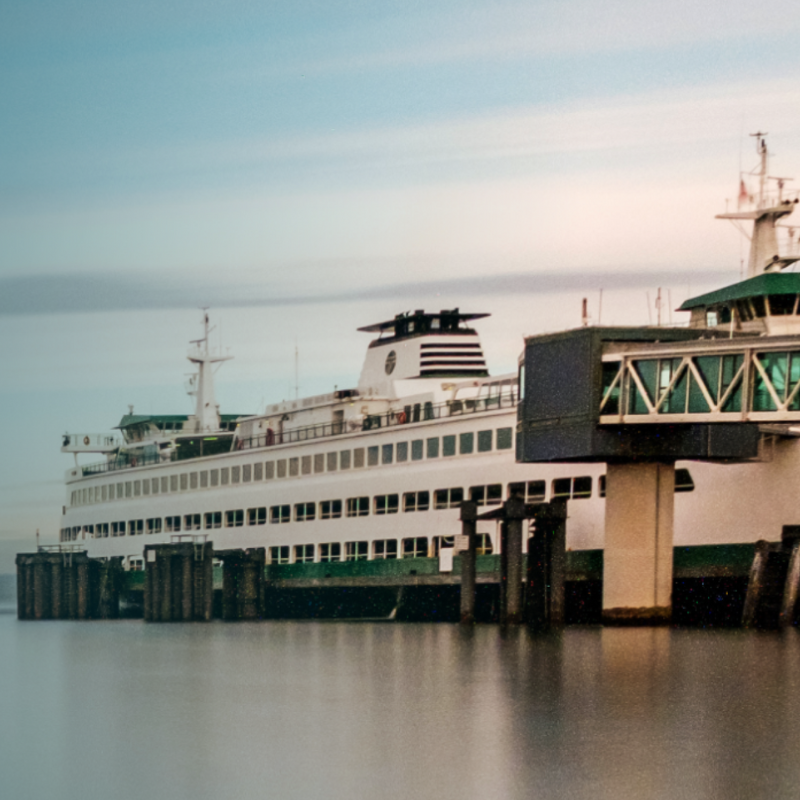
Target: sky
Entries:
(306, 168)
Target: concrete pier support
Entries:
(242, 583)
(637, 572)
(178, 582)
(469, 516)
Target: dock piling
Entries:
(469, 515)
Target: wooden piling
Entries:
(511, 565)
(791, 589)
(469, 515)
(755, 584)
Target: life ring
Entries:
(270, 437)
(86, 440)
(401, 418)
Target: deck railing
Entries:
(416, 412)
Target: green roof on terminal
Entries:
(768, 283)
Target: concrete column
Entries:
(558, 560)
(469, 515)
(637, 573)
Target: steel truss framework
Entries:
(719, 382)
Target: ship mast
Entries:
(206, 411)
(764, 252)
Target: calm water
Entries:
(346, 710)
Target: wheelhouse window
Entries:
(154, 525)
(529, 491)
(576, 488)
(505, 441)
(173, 524)
(387, 504)
(135, 527)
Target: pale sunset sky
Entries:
(306, 168)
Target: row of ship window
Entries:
(376, 455)
(490, 494)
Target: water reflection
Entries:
(343, 710)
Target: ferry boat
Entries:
(378, 471)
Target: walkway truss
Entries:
(727, 380)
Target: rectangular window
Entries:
(330, 509)
(224, 476)
(269, 470)
(331, 551)
(135, 527)
(356, 551)
(344, 459)
(184, 481)
(279, 555)
(234, 518)
(683, 480)
(387, 454)
(448, 445)
(128, 489)
(358, 457)
(332, 461)
(483, 544)
(117, 528)
(102, 530)
(562, 487)
(372, 456)
(484, 441)
(173, 483)
(279, 514)
(247, 473)
(357, 506)
(213, 519)
(173, 524)
(530, 492)
(416, 450)
(486, 495)
(601, 488)
(303, 512)
(191, 522)
(319, 462)
(387, 504)
(582, 487)
(258, 472)
(415, 547)
(204, 479)
(105, 493)
(402, 452)
(433, 447)
(384, 549)
(257, 516)
(305, 465)
(145, 489)
(504, 439)
(466, 443)
(416, 501)
(303, 553)
(281, 467)
(448, 498)
(193, 480)
(154, 525)
(215, 477)
(236, 474)
(294, 467)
